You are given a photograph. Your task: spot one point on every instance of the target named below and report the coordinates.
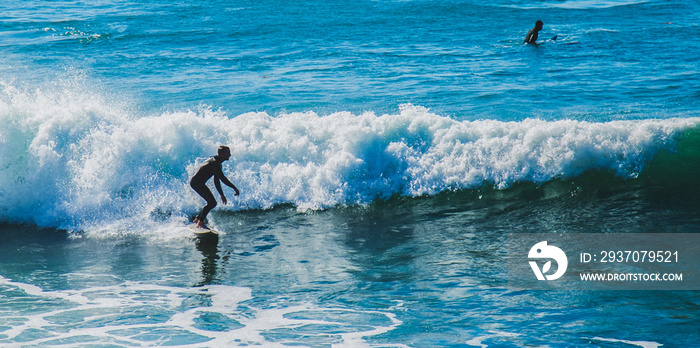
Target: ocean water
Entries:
(384, 151)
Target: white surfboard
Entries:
(201, 231)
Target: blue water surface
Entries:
(463, 59)
(384, 151)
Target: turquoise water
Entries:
(384, 151)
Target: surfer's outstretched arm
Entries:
(217, 183)
(230, 184)
(218, 178)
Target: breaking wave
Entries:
(74, 160)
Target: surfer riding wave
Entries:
(211, 167)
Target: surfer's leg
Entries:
(204, 191)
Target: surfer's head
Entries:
(224, 153)
(538, 25)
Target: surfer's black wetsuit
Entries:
(211, 167)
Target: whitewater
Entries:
(73, 160)
(390, 155)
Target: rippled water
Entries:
(384, 151)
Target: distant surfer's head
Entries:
(539, 24)
(224, 152)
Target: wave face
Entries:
(74, 160)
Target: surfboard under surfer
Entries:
(532, 35)
(211, 167)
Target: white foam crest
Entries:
(133, 314)
(479, 340)
(316, 162)
(579, 4)
(74, 160)
(643, 344)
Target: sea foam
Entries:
(72, 159)
(134, 314)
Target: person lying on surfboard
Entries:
(211, 167)
(532, 35)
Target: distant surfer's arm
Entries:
(530, 37)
